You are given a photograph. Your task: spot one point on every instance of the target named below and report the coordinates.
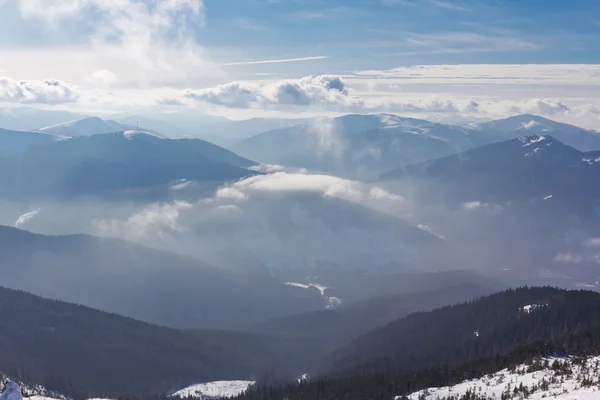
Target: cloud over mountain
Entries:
(44, 92)
(310, 90)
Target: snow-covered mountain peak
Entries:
(532, 125)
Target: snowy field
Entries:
(551, 378)
(214, 390)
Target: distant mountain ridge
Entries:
(527, 167)
(82, 352)
(105, 163)
(357, 145)
(91, 126)
(527, 125)
(148, 284)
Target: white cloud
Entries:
(568, 258)
(22, 220)
(592, 242)
(46, 92)
(307, 91)
(102, 78)
(275, 61)
(448, 5)
(479, 205)
(267, 168)
(147, 42)
(501, 74)
(280, 220)
(156, 220)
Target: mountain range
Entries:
(518, 328)
(90, 126)
(80, 352)
(368, 283)
(105, 163)
(147, 284)
(362, 147)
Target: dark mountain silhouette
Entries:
(450, 345)
(490, 326)
(103, 163)
(324, 330)
(143, 283)
(82, 352)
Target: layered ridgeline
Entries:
(80, 352)
(148, 284)
(521, 169)
(357, 145)
(527, 124)
(91, 126)
(525, 206)
(448, 345)
(364, 146)
(41, 165)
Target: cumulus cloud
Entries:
(44, 92)
(121, 19)
(155, 220)
(568, 258)
(149, 42)
(310, 90)
(479, 205)
(255, 189)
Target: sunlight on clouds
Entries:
(148, 43)
(45, 92)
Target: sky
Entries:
(247, 58)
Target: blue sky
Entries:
(247, 54)
(391, 33)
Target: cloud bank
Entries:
(44, 92)
(307, 91)
(282, 220)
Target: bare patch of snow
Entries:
(529, 308)
(528, 141)
(26, 217)
(591, 161)
(300, 285)
(135, 132)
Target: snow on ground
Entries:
(528, 141)
(214, 390)
(136, 132)
(551, 378)
(591, 161)
(300, 285)
(332, 302)
(529, 308)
